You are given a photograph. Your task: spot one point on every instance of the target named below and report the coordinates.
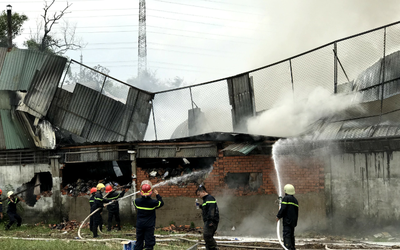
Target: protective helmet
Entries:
(108, 188)
(93, 190)
(1, 192)
(10, 193)
(100, 186)
(289, 189)
(146, 190)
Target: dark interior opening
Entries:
(166, 168)
(250, 181)
(78, 178)
(33, 192)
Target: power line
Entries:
(205, 7)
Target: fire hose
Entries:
(277, 227)
(79, 230)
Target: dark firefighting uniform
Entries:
(12, 212)
(289, 211)
(97, 219)
(210, 215)
(1, 206)
(146, 221)
(91, 203)
(113, 208)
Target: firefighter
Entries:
(289, 211)
(98, 203)
(146, 216)
(91, 202)
(210, 214)
(12, 209)
(1, 205)
(113, 208)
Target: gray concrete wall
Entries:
(364, 188)
(46, 208)
(250, 215)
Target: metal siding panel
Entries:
(59, 107)
(129, 109)
(19, 68)
(140, 118)
(15, 136)
(3, 53)
(44, 85)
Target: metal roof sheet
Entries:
(13, 134)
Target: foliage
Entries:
(46, 40)
(17, 20)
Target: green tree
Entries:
(17, 20)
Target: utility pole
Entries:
(142, 45)
(9, 7)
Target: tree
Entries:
(47, 41)
(148, 81)
(17, 21)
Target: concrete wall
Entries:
(46, 208)
(364, 188)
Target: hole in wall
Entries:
(33, 192)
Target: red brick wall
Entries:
(306, 175)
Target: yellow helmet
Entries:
(289, 189)
(100, 186)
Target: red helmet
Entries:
(146, 190)
(108, 188)
(1, 191)
(93, 190)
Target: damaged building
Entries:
(66, 133)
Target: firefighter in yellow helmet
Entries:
(289, 211)
(13, 200)
(98, 203)
(146, 216)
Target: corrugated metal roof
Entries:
(96, 117)
(243, 148)
(44, 85)
(19, 68)
(13, 132)
(176, 151)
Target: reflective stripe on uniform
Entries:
(99, 199)
(290, 203)
(148, 208)
(205, 203)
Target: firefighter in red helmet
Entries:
(93, 191)
(113, 208)
(146, 216)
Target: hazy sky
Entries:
(203, 40)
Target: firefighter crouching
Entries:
(146, 216)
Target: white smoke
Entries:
(292, 115)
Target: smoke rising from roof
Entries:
(293, 114)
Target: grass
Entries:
(42, 237)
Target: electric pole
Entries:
(142, 45)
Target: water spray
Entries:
(173, 181)
(276, 164)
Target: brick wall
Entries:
(307, 175)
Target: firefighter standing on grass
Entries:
(12, 209)
(146, 216)
(98, 203)
(289, 211)
(113, 208)
(210, 214)
(93, 191)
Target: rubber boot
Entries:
(293, 244)
(288, 243)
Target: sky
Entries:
(205, 40)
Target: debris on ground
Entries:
(182, 228)
(68, 225)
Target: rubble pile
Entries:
(182, 228)
(44, 194)
(68, 225)
(82, 188)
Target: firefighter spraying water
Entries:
(194, 176)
